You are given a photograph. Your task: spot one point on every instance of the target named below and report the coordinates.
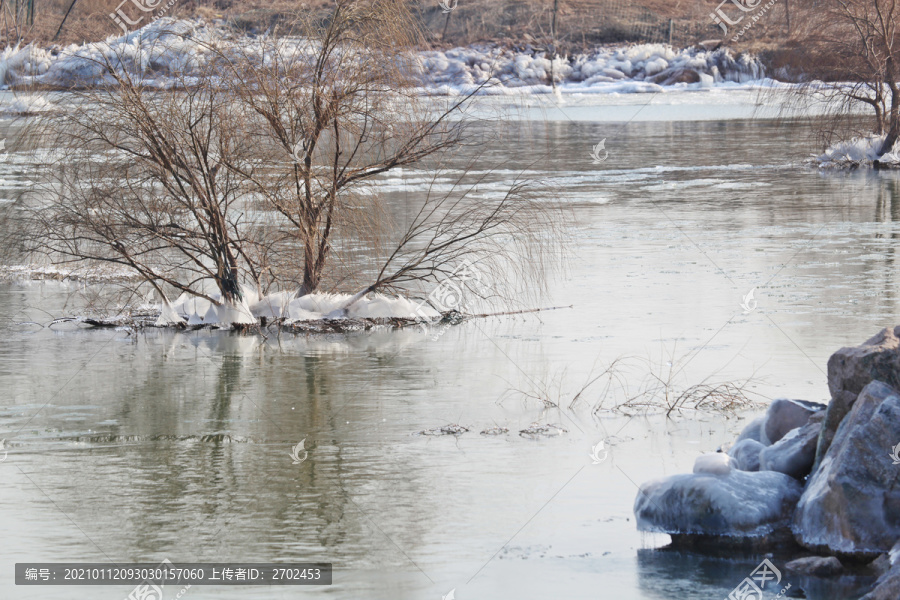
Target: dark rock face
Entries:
(851, 369)
(746, 455)
(851, 505)
(736, 505)
(820, 566)
(675, 75)
(794, 453)
(785, 415)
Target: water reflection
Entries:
(178, 445)
(665, 573)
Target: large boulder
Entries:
(794, 453)
(738, 504)
(851, 369)
(745, 454)
(851, 505)
(784, 415)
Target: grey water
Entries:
(139, 447)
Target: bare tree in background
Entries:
(261, 169)
(851, 41)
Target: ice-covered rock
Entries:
(168, 48)
(851, 505)
(746, 454)
(714, 463)
(850, 369)
(878, 358)
(755, 431)
(737, 505)
(784, 415)
(794, 453)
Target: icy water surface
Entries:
(178, 446)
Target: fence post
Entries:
(671, 21)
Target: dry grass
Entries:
(580, 23)
(642, 386)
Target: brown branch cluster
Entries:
(259, 170)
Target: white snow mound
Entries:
(311, 307)
(168, 48)
(858, 151)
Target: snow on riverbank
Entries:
(859, 151)
(638, 68)
(168, 46)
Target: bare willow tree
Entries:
(142, 181)
(852, 43)
(261, 168)
(348, 108)
(344, 109)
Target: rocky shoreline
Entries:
(818, 483)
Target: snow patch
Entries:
(168, 48)
(859, 151)
(284, 305)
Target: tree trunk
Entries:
(58, 31)
(893, 117)
(787, 15)
(446, 23)
(553, 41)
(312, 268)
(228, 284)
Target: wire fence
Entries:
(578, 22)
(622, 21)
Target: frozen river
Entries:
(696, 205)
